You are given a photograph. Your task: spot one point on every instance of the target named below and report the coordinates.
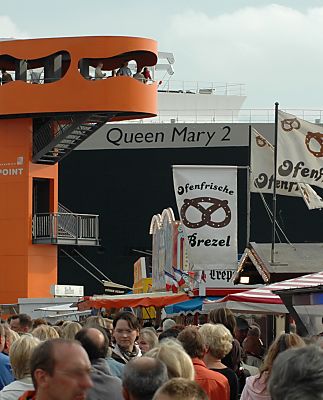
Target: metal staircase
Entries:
(55, 138)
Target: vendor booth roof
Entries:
(262, 300)
(297, 259)
(189, 306)
(158, 299)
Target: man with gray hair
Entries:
(142, 377)
(297, 374)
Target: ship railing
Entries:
(65, 225)
(264, 115)
(196, 87)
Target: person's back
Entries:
(96, 342)
(6, 375)
(124, 70)
(105, 386)
(6, 77)
(215, 384)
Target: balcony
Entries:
(66, 229)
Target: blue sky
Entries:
(274, 48)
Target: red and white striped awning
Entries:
(262, 299)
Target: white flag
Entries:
(262, 169)
(300, 150)
(207, 203)
(311, 198)
(262, 177)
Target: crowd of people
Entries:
(142, 75)
(114, 359)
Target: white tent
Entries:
(262, 300)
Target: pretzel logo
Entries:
(206, 213)
(261, 142)
(289, 124)
(316, 137)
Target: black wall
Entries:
(127, 187)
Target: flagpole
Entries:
(273, 236)
(248, 191)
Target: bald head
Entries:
(142, 377)
(95, 342)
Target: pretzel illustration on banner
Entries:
(206, 213)
(317, 137)
(289, 124)
(261, 142)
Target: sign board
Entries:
(154, 136)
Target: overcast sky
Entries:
(276, 49)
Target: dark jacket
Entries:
(105, 386)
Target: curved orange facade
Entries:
(39, 121)
(72, 92)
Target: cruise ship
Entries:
(123, 174)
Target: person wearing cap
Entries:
(242, 329)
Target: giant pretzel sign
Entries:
(206, 213)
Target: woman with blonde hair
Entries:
(45, 332)
(226, 317)
(218, 342)
(178, 362)
(70, 330)
(147, 340)
(20, 354)
(256, 386)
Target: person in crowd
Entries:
(142, 377)
(6, 376)
(167, 324)
(218, 341)
(116, 368)
(297, 374)
(6, 77)
(226, 317)
(98, 74)
(139, 76)
(177, 361)
(70, 329)
(58, 329)
(37, 322)
(21, 323)
(60, 369)
(172, 332)
(93, 321)
(146, 74)
(125, 332)
(215, 384)
(253, 347)
(96, 343)
(241, 330)
(45, 332)
(10, 337)
(256, 386)
(20, 355)
(180, 389)
(147, 340)
(124, 70)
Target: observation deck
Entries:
(51, 83)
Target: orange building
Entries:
(49, 107)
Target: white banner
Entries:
(300, 150)
(262, 178)
(207, 203)
(262, 169)
(311, 198)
